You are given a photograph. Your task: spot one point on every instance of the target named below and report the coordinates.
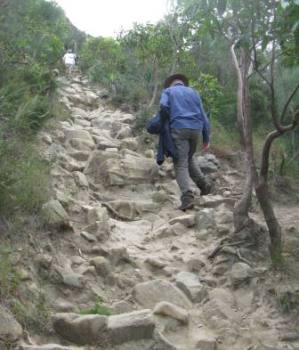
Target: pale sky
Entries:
(108, 17)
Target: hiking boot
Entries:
(187, 202)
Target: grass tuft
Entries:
(97, 309)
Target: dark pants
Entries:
(185, 166)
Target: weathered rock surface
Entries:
(162, 343)
(130, 210)
(205, 219)
(219, 311)
(208, 163)
(186, 220)
(240, 273)
(119, 169)
(167, 309)
(102, 266)
(81, 330)
(69, 278)
(189, 283)
(206, 341)
(213, 201)
(148, 294)
(10, 329)
(80, 179)
(55, 215)
(131, 326)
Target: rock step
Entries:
(97, 329)
(49, 347)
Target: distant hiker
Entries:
(69, 60)
(180, 122)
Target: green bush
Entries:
(24, 178)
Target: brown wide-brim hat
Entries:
(174, 77)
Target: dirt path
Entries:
(130, 250)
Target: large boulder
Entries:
(208, 163)
(148, 294)
(68, 278)
(54, 215)
(81, 330)
(120, 168)
(10, 330)
(131, 326)
(78, 139)
(103, 330)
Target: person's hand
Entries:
(206, 147)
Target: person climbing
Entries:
(183, 117)
(69, 59)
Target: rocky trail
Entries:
(123, 269)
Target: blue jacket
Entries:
(185, 109)
(166, 145)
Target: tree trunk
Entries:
(263, 196)
(263, 193)
(241, 210)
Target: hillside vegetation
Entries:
(88, 222)
(33, 38)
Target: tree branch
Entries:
(288, 102)
(266, 153)
(267, 81)
(240, 114)
(269, 140)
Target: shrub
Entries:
(24, 178)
